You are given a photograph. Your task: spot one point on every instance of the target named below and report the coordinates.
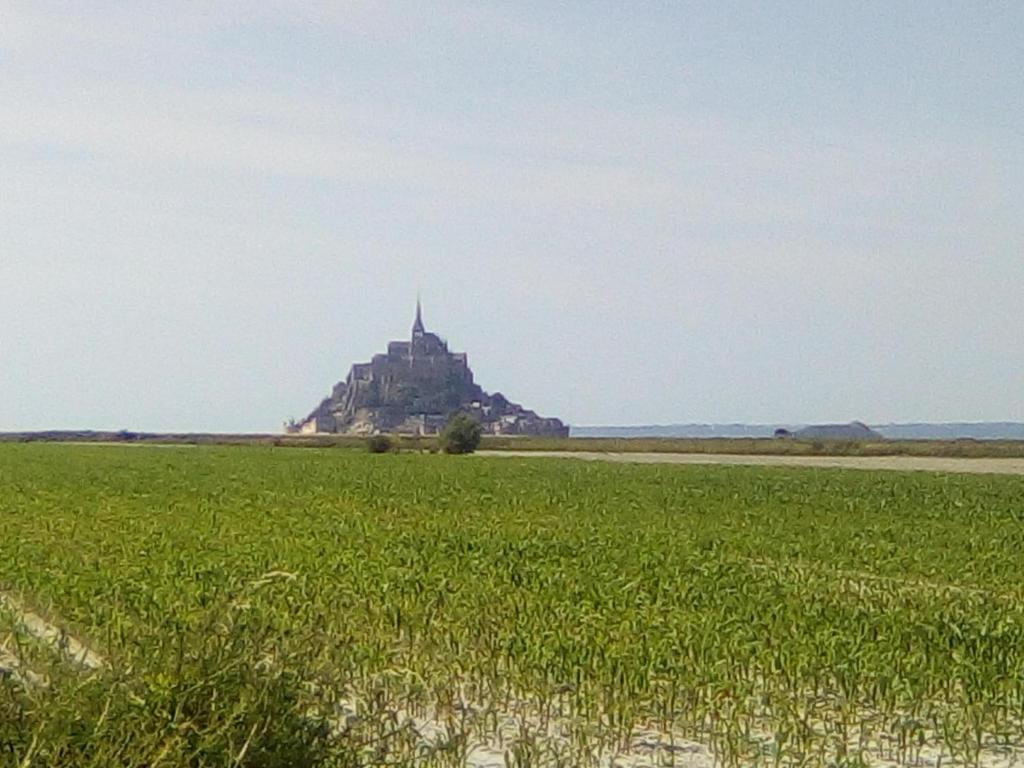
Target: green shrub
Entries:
(381, 444)
(461, 434)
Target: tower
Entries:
(417, 326)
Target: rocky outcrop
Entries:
(414, 388)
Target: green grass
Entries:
(965, 448)
(785, 616)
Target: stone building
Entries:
(414, 388)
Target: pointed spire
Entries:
(417, 327)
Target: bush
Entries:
(461, 434)
(381, 444)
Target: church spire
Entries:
(417, 327)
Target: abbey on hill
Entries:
(414, 388)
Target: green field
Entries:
(271, 607)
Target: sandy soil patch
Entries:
(494, 742)
(72, 649)
(897, 463)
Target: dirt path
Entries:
(900, 463)
(72, 649)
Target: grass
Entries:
(262, 607)
(964, 448)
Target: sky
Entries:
(625, 213)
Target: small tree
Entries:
(461, 434)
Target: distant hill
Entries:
(678, 430)
(855, 430)
(995, 430)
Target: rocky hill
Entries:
(414, 388)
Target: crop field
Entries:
(257, 606)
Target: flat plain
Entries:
(255, 606)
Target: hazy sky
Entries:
(625, 212)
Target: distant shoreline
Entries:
(953, 430)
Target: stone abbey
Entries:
(414, 388)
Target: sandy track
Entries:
(72, 649)
(898, 463)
